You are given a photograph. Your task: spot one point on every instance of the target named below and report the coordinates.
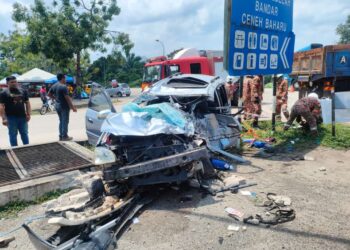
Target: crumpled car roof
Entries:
(186, 86)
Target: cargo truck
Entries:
(320, 69)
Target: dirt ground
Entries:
(320, 198)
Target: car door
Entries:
(99, 107)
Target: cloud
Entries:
(199, 23)
(6, 7)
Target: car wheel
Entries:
(119, 94)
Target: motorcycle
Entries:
(48, 107)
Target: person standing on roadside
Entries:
(64, 104)
(282, 98)
(256, 99)
(15, 111)
(231, 86)
(247, 97)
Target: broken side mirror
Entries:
(103, 114)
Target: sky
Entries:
(199, 23)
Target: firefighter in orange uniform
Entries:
(256, 99)
(282, 97)
(231, 86)
(247, 98)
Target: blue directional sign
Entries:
(259, 37)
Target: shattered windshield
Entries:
(187, 82)
(152, 73)
(145, 97)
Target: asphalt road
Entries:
(44, 129)
(320, 198)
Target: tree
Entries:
(343, 30)
(17, 58)
(120, 64)
(68, 28)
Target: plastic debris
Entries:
(323, 169)
(135, 220)
(233, 228)
(308, 158)
(222, 165)
(245, 193)
(248, 141)
(259, 144)
(234, 213)
(281, 200)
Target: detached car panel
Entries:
(99, 107)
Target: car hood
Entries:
(150, 120)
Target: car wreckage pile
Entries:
(169, 134)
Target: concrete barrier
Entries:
(35, 188)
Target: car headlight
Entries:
(104, 156)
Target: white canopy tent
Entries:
(3, 81)
(35, 76)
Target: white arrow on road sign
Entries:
(283, 52)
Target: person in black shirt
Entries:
(64, 104)
(15, 111)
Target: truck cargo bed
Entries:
(326, 62)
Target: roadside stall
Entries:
(33, 80)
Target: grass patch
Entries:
(269, 85)
(13, 208)
(87, 145)
(302, 140)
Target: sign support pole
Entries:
(240, 101)
(333, 106)
(274, 103)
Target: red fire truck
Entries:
(186, 61)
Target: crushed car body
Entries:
(180, 120)
(169, 134)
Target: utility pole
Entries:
(159, 41)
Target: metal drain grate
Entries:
(48, 159)
(7, 171)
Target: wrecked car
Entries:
(169, 134)
(166, 134)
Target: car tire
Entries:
(119, 94)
